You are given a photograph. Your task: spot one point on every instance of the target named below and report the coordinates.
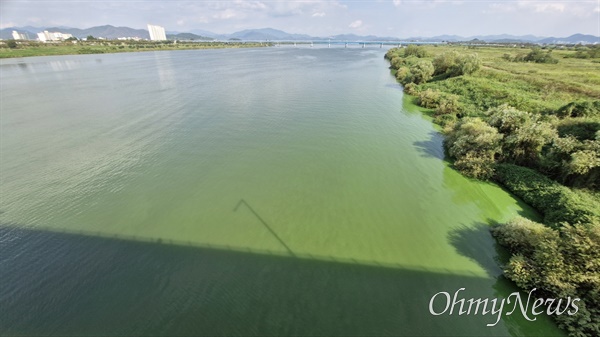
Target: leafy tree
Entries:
(580, 109)
(421, 71)
(524, 134)
(465, 65)
(574, 162)
(443, 62)
(90, 38)
(474, 145)
(538, 56)
(394, 52)
(414, 50)
(429, 98)
(396, 62)
(507, 119)
(403, 75)
(448, 105)
(583, 161)
(525, 144)
(560, 263)
(12, 44)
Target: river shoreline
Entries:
(31, 49)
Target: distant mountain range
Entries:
(270, 34)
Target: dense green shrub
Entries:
(428, 98)
(445, 119)
(443, 62)
(453, 64)
(396, 62)
(465, 65)
(574, 162)
(507, 119)
(538, 56)
(411, 89)
(556, 202)
(592, 51)
(580, 109)
(525, 145)
(559, 263)
(403, 75)
(421, 71)
(474, 145)
(394, 52)
(414, 50)
(580, 128)
(524, 134)
(448, 105)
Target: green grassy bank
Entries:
(530, 120)
(10, 49)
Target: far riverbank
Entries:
(34, 48)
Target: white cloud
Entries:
(7, 25)
(500, 8)
(250, 4)
(318, 15)
(597, 9)
(550, 7)
(575, 8)
(429, 3)
(356, 24)
(226, 14)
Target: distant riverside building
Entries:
(19, 36)
(46, 36)
(157, 33)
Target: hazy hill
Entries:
(112, 32)
(267, 34)
(188, 36)
(576, 38)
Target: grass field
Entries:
(534, 87)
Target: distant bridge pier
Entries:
(346, 45)
(381, 45)
(311, 44)
(363, 45)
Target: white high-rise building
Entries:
(19, 36)
(157, 33)
(46, 36)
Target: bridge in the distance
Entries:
(345, 44)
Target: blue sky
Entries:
(398, 18)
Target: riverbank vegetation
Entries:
(528, 118)
(13, 48)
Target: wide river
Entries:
(273, 191)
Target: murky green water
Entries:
(259, 192)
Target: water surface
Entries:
(258, 191)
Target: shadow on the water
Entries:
(59, 283)
(432, 147)
(474, 241)
(243, 202)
